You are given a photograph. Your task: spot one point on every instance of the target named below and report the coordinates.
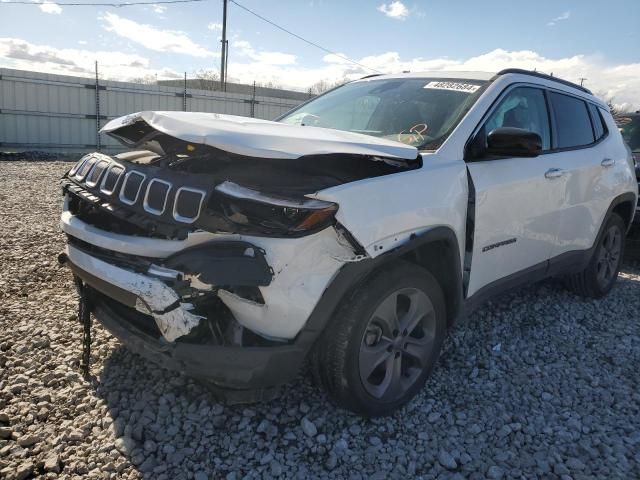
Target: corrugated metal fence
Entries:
(60, 113)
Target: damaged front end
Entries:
(208, 261)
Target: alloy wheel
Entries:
(609, 256)
(397, 343)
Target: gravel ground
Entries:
(538, 383)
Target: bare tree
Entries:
(269, 84)
(145, 80)
(207, 79)
(616, 111)
(323, 85)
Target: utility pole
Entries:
(98, 146)
(582, 79)
(226, 64)
(223, 52)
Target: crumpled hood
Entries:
(260, 138)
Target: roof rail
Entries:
(522, 71)
(372, 75)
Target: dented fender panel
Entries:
(302, 270)
(435, 195)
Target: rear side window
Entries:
(599, 129)
(572, 121)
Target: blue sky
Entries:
(588, 38)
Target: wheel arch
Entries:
(625, 206)
(441, 257)
(436, 249)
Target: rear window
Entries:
(599, 128)
(573, 125)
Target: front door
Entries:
(517, 200)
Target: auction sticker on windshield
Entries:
(455, 86)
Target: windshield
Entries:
(631, 132)
(420, 112)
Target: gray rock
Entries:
(125, 445)
(340, 446)
(148, 465)
(495, 472)
(575, 464)
(308, 427)
(433, 417)
(24, 471)
(52, 463)
(28, 440)
(76, 435)
(560, 469)
(276, 469)
(447, 461)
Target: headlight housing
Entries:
(266, 214)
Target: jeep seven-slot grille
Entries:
(141, 188)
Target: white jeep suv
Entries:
(352, 231)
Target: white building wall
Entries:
(57, 113)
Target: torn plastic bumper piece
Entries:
(145, 294)
(234, 263)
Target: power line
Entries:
(303, 39)
(162, 2)
(109, 4)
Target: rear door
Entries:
(588, 164)
(517, 200)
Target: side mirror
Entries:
(513, 142)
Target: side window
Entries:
(599, 128)
(523, 107)
(572, 121)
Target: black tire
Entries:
(354, 333)
(591, 282)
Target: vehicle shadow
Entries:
(168, 425)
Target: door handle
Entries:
(608, 162)
(554, 173)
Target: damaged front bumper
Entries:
(143, 293)
(125, 304)
(242, 373)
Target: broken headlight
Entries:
(270, 214)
